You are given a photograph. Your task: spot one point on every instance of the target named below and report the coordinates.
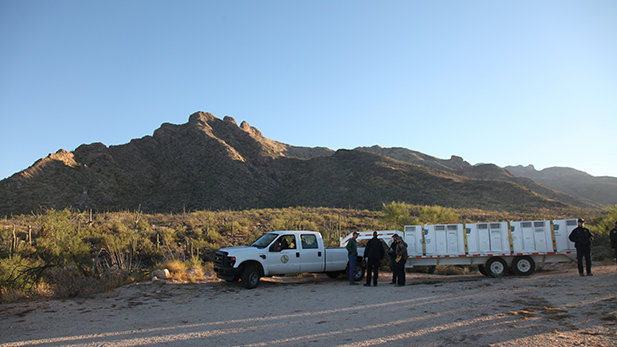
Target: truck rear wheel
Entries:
(358, 273)
(523, 266)
(496, 267)
(250, 277)
(333, 274)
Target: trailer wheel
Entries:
(482, 269)
(250, 277)
(496, 267)
(523, 266)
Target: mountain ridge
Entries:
(212, 163)
(600, 189)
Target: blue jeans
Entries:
(393, 268)
(352, 267)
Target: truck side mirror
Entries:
(275, 247)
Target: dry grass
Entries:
(39, 291)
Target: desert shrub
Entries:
(190, 270)
(18, 273)
(277, 224)
(68, 281)
(214, 236)
(452, 270)
(436, 215)
(600, 228)
(142, 225)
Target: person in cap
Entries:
(401, 259)
(392, 254)
(613, 236)
(352, 253)
(582, 239)
(373, 253)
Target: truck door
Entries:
(312, 258)
(284, 256)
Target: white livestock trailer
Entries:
(493, 247)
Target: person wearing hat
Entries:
(392, 254)
(582, 239)
(352, 253)
(613, 236)
(373, 253)
(401, 259)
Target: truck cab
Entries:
(279, 253)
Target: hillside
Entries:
(458, 166)
(602, 190)
(209, 163)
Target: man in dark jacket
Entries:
(392, 254)
(374, 253)
(582, 239)
(613, 235)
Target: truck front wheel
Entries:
(250, 277)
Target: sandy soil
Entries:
(555, 307)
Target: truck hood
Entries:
(239, 249)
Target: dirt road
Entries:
(548, 308)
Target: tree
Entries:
(398, 214)
(437, 215)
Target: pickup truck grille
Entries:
(220, 259)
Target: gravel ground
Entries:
(551, 307)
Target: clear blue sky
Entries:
(503, 82)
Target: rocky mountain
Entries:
(209, 163)
(602, 190)
(458, 166)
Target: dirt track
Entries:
(548, 308)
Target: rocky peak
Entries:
(229, 120)
(201, 117)
(249, 129)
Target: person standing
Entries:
(373, 254)
(352, 253)
(392, 254)
(401, 259)
(613, 236)
(582, 239)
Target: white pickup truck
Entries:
(283, 252)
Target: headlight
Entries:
(232, 261)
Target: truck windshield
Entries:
(265, 240)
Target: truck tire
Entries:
(333, 274)
(496, 267)
(250, 277)
(524, 265)
(358, 273)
